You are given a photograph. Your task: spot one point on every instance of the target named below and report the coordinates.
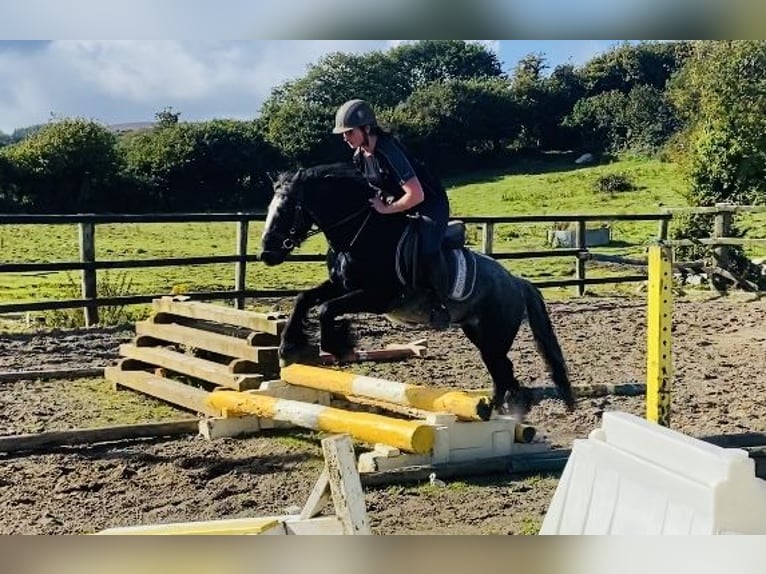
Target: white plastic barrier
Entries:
(632, 476)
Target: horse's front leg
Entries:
(335, 336)
(294, 344)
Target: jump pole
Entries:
(463, 405)
(408, 436)
(659, 366)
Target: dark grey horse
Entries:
(372, 269)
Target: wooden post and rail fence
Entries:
(88, 265)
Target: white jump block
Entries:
(632, 476)
(455, 441)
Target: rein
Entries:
(290, 242)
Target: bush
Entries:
(614, 182)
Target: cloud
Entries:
(124, 81)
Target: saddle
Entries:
(460, 261)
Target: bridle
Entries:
(293, 238)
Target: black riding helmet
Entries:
(354, 114)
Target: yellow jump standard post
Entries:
(463, 405)
(659, 367)
(409, 436)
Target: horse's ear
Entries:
(272, 179)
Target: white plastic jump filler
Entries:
(632, 476)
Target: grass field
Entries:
(547, 185)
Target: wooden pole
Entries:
(659, 367)
(463, 405)
(89, 282)
(582, 245)
(487, 235)
(82, 372)
(50, 439)
(409, 436)
(662, 230)
(240, 269)
(721, 228)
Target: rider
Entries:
(392, 170)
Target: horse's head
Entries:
(287, 222)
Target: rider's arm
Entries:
(413, 195)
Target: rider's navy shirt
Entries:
(390, 166)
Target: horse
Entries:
(372, 268)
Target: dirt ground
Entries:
(719, 387)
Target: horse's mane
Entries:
(340, 170)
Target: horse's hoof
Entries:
(569, 401)
(296, 354)
(484, 410)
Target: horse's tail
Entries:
(547, 343)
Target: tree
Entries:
(439, 60)
(640, 121)
(216, 165)
(628, 65)
(10, 199)
(69, 165)
(722, 96)
(452, 123)
(167, 117)
(298, 115)
(561, 90)
(599, 122)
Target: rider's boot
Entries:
(436, 272)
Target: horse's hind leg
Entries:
(493, 344)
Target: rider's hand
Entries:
(378, 205)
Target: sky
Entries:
(123, 81)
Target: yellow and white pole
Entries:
(659, 367)
(463, 405)
(409, 436)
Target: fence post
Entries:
(89, 282)
(487, 234)
(581, 244)
(721, 228)
(662, 230)
(240, 268)
(659, 360)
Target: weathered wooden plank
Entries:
(193, 366)
(179, 394)
(272, 323)
(259, 339)
(260, 525)
(378, 355)
(551, 461)
(344, 483)
(221, 344)
(318, 498)
(11, 376)
(36, 441)
(255, 338)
